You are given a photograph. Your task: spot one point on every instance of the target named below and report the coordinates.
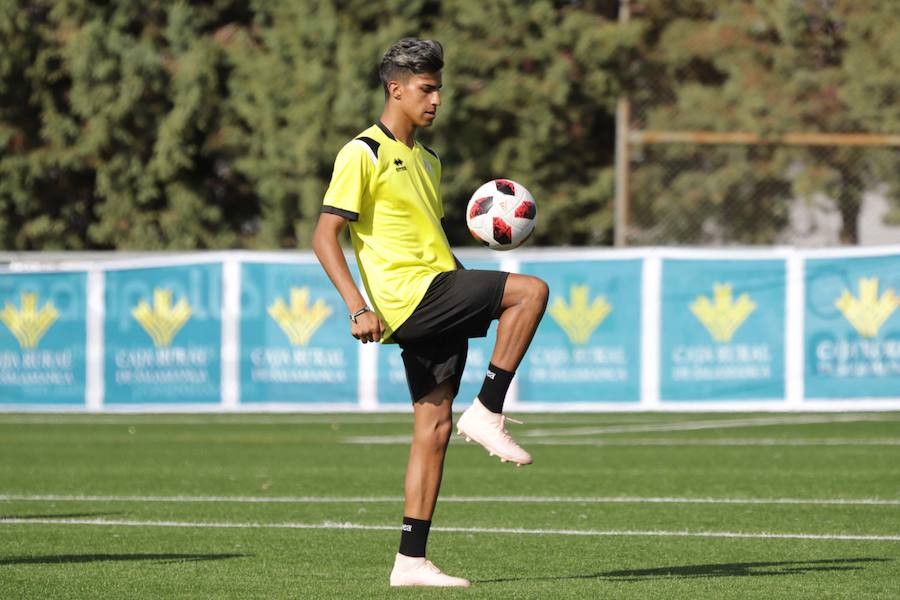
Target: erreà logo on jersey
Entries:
(162, 320)
(27, 323)
(399, 164)
(724, 315)
(299, 320)
(579, 316)
(867, 313)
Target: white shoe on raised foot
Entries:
(488, 429)
(419, 571)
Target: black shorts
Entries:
(435, 338)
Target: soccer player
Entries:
(386, 185)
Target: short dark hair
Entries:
(410, 56)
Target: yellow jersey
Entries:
(391, 195)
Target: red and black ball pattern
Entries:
(501, 214)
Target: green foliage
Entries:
(151, 125)
(176, 125)
(767, 67)
(532, 100)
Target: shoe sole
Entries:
(503, 459)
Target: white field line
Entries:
(721, 442)
(651, 419)
(298, 419)
(393, 440)
(701, 424)
(509, 530)
(453, 499)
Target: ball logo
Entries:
(28, 324)
(299, 321)
(579, 317)
(162, 321)
(723, 316)
(868, 312)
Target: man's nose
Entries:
(436, 98)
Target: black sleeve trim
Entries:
(370, 143)
(347, 214)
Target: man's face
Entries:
(419, 96)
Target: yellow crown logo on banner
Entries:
(579, 317)
(29, 324)
(723, 316)
(299, 321)
(868, 312)
(162, 321)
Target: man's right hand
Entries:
(367, 328)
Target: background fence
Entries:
(747, 123)
(660, 329)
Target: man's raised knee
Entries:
(538, 292)
(525, 290)
(542, 290)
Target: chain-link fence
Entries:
(753, 122)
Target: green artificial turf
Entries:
(81, 513)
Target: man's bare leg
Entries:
(431, 433)
(521, 308)
(523, 304)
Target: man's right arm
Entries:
(368, 326)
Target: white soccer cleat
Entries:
(481, 425)
(418, 571)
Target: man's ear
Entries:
(394, 89)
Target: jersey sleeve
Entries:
(354, 168)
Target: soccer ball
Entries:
(501, 214)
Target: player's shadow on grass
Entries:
(748, 569)
(89, 558)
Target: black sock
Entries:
(493, 391)
(414, 536)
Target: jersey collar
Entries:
(390, 135)
(385, 130)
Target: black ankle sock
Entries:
(493, 391)
(414, 536)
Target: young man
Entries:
(387, 186)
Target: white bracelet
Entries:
(359, 313)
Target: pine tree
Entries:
(767, 67)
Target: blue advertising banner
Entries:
(163, 332)
(43, 338)
(392, 388)
(722, 330)
(588, 345)
(295, 338)
(852, 328)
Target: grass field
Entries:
(308, 506)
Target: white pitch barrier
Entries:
(650, 329)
